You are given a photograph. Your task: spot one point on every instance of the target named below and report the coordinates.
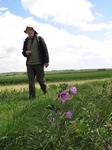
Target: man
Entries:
(35, 49)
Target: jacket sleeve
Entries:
(44, 50)
(25, 48)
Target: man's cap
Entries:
(29, 26)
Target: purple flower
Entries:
(97, 114)
(73, 90)
(104, 143)
(64, 96)
(69, 114)
(49, 120)
(96, 120)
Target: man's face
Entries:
(30, 32)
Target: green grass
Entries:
(24, 123)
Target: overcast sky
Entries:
(78, 33)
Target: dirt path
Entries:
(25, 86)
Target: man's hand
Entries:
(46, 65)
(28, 52)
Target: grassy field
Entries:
(24, 86)
(57, 76)
(41, 124)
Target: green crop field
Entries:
(56, 76)
(43, 124)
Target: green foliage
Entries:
(42, 124)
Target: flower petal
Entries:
(73, 90)
(69, 114)
(64, 96)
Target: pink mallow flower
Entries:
(69, 114)
(73, 90)
(97, 114)
(64, 96)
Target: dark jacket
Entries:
(43, 51)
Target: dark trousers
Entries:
(38, 71)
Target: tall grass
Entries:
(41, 124)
